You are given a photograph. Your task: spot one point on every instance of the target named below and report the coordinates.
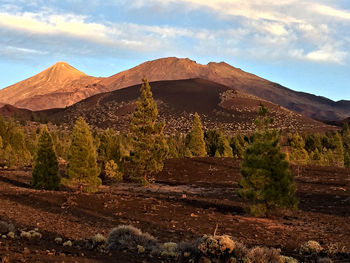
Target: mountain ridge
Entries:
(80, 86)
(177, 100)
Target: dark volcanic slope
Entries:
(218, 105)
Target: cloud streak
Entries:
(263, 29)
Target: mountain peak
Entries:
(57, 78)
(61, 72)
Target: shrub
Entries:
(99, 239)
(285, 259)
(264, 255)
(112, 171)
(6, 227)
(324, 260)
(311, 247)
(169, 249)
(129, 237)
(98, 242)
(140, 249)
(25, 234)
(68, 243)
(11, 235)
(187, 252)
(58, 240)
(215, 246)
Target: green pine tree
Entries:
(346, 144)
(347, 159)
(149, 144)
(338, 151)
(82, 168)
(266, 179)
(217, 144)
(112, 146)
(298, 154)
(45, 172)
(195, 139)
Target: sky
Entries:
(301, 44)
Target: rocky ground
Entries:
(190, 197)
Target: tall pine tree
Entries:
(217, 144)
(149, 144)
(195, 139)
(346, 143)
(45, 172)
(266, 179)
(82, 168)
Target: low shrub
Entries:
(215, 246)
(264, 255)
(6, 227)
(129, 237)
(169, 249)
(67, 243)
(311, 247)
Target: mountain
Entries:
(174, 68)
(59, 86)
(62, 85)
(218, 105)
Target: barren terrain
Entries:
(190, 197)
(62, 85)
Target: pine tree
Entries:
(15, 152)
(112, 171)
(149, 144)
(195, 139)
(298, 153)
(346, 143)
(338, 151)
(45, 172)
(266, 179)
(112, 146)
(347, 159)
(217, 144)
(82, 168)
(237, 145)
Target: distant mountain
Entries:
(218, 106)
(174, 68)
(56, 87)
(62, 85)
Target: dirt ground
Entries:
(189, 198)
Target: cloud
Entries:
(332, 12)
(326, 54)
(129, 36)
(296, 29)
(261, 29)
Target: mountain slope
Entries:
(59, 86)
(62, 85)
(218, 106)
(174, 68)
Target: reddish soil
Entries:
(190, 197)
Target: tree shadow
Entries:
(15, 182)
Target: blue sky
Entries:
(301, 44)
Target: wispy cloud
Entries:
(281, 26)
(262, 29)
